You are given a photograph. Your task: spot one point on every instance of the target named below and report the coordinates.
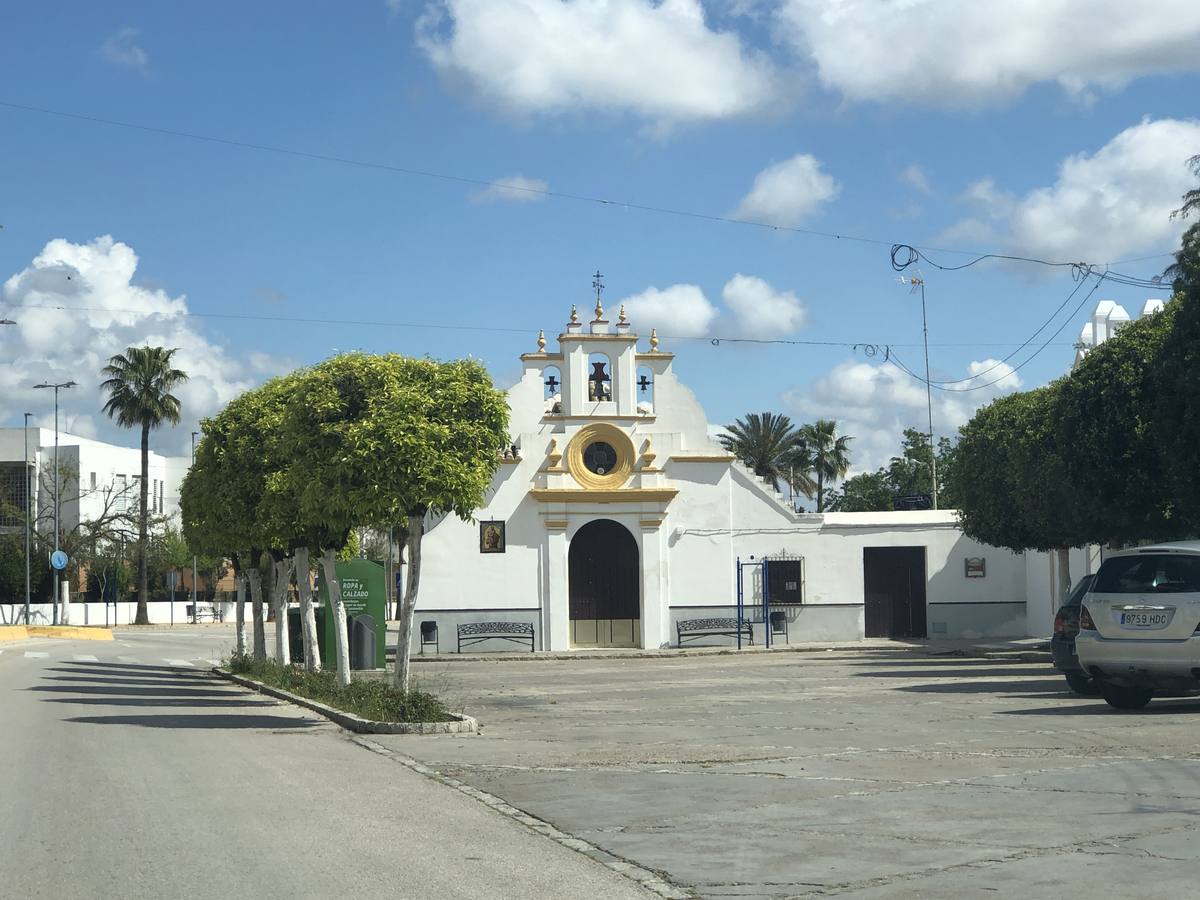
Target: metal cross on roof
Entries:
(598, 284)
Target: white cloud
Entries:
(914, 176)
(952, 53)
(1114, 203)
(788, 192)
(107, 312)
(657, 60)
(753, 308)
(121, 49)
(875, 402)
(680, 310)
(513, 189)
(760, 310)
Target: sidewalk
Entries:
(1014, 650)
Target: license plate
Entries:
(1145, 620)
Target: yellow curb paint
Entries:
(70, 632)
(13, 633)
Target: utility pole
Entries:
(28, 514)
(195, 593)
(57, 486)
(920, 281)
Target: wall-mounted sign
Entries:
(975, 566)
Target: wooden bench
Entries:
(692, 629)
(475, 632)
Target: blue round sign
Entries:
(58, 559)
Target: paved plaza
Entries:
(847, 774)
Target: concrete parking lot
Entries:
(851, 774)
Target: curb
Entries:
(650, 879)
(463, 724)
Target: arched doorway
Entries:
(605, 586)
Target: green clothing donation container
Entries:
(364, 596)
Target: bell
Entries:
(598, 373)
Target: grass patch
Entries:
(373, 700)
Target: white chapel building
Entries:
(615, 520)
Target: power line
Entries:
(898, 363)
(870, 348)
(543, 192)
(905, 255)
(1023, 344)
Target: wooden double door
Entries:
(604, 580)
(894, 588)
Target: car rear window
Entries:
(1075, 598)
(1151, 573)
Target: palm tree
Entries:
(764, 442)
(1191, 198)
(139, 386)
(830, 454)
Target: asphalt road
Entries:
(129, 772)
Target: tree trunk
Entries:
(337, 609)
(256, 611)
(282, 577)
(308, 614)
(820, 492)
(240, 629)
(408, 606)
(143, 611)
(1064, 575)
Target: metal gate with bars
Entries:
(766, 587)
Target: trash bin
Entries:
(779, 624)
(362, 642)
(429, 635)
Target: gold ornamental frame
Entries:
(614, 437)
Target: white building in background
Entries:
(96, 476)
(614, 516)
(1107, 319)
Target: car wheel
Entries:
(1125, 697)
(1082, 684)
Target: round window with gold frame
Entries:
(600, 457)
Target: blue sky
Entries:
(931, 123)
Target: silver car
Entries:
(1138, 628)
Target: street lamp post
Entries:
(57, 487)
(195, 593)
(28, 514)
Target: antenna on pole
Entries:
(917, 283)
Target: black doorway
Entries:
(894, 592)
(604, 583)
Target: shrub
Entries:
(373, 700)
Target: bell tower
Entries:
(599, 363)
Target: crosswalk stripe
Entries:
(83, 657)
(179, 662)
(36, 654)
(128, 659)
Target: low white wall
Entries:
(161, 613)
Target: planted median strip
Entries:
(367, 707)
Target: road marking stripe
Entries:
(36, 654)
(179, 662)
(128, 659)
(83, 657)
